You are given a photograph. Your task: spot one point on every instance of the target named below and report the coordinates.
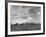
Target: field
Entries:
(25, 27)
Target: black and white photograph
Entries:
(25, 18)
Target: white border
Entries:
(24, 32)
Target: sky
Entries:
(23, 14)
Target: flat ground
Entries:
(25, 27)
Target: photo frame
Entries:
(34, 24)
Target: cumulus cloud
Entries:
(23, 14)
